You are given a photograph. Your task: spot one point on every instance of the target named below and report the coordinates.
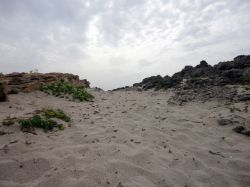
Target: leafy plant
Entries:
(38, 121)
(82, 95)
(43, 119)
(50, 113)
(63, 89)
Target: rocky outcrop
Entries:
(156, 82)
(28, 82)
(203, 75)
(3, 95)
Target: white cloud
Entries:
(118, 42)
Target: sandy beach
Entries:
(124, 93)
(125, 139)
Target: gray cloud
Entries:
(120, 40)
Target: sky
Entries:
(114, 43)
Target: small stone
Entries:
(14, 141)
(239, 129)
(247, 132)
(119, 184)
(224, 122)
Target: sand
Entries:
(127, 139)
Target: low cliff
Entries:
(27, 82)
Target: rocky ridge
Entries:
(204, 82)
(203, 75)
(14, 83)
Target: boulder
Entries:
(224, 122)
(3, 95)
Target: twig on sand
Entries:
(216, 153)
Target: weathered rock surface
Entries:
(3, 95)
(203, 75)
(225, 81)
(28, 82)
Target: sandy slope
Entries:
(125, 139)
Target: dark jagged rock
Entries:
(3, 95)
(245, 97)
(203, 75)
(157, 82)
(239, 129)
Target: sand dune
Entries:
(125, 138)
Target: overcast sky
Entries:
(114, 43)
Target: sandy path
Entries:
(125, 139)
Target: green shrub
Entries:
(81, 94)
(50, 113)
(38, 121)
(63, 89)
(43, 120)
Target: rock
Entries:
(224, 122)
(247, 132)
(29, 82)
(239, 129)
(13, 91)
(242, 130)
(32, 86)
(245, 97)
(203, 63)
(3, 95)
(152, 82)
(156, 82)
(203, 75)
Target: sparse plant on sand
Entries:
(37, 121)
(50, 113)
(44, 119)
(65, 89)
